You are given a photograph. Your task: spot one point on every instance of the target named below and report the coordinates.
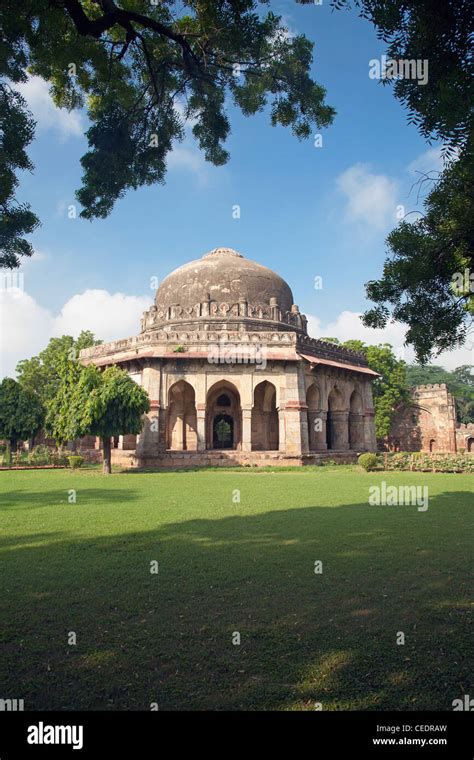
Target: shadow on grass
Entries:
(305, 637)
(24, 499)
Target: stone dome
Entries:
(223, 276)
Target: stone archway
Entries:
(223, 417)
(181, 420)
(470, 445)
(316, 419)
(337, 428)
(265, 426)
(356, 422)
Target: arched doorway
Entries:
(356, 421)
(336, 425)
(264, 418)
(223, 432)
(223, 417)
(470, 445)
(181, 420)
(316, 432)
(432, 444)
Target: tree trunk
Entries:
(9, 453)
(107, 465)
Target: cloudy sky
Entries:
(308, 212)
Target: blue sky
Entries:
(306, 211)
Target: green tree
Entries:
(419, 284)
(91, 402)
(428, 280)
(390, 389)
(142, 70)
(41, 374)
(21, 413)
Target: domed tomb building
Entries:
(234, 377)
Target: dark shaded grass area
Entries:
(227, 566)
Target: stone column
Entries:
(281, 430)
(296, 417)
(246, 429)
(356, 431)
(317, 430)
(149, 440)
(340, 429)
(179, 435)
(201, 426)
(369, 431)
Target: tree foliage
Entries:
(440, 33)
(41, 374)
(21, 413)
(143, 70)
(389, 389)
(425, 257)
(428, 280)
(91, 402)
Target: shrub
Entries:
(179, 349)
(59, 459)
(40, 455)
(368, 461)
(20, 458)
(75, 461)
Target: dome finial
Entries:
(223, 252)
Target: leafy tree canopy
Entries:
(91, 402)
(21, 412)
(421, 283)
(389, 389)
(440, 33)
(142, 69)
(41, 374)
(428, 279)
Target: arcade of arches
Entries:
(337, 425)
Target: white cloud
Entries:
(36, 93)
(348, 326)
(109, 316)
(190, 158)
(27, 326)
(429, 162)
(370, 198)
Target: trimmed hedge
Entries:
(368, 461)
(420, 461)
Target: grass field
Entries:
(227, 567)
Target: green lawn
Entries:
(228, 567)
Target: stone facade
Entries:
(428, 423)
(233, 376)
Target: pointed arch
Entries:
(223, 416)
(265, 426)
(181, 418)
